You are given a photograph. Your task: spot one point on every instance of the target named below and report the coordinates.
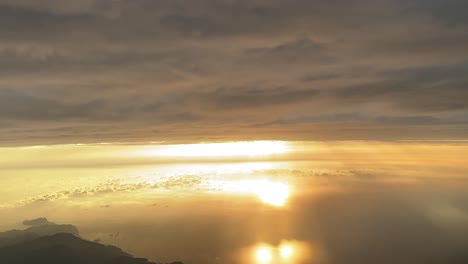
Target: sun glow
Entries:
(286, 251)
(264, 254)
(273, 193)
(228, 149)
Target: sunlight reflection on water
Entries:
(288, 251)
(270, 192)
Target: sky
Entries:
(188, 71)
(222, 131)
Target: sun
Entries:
(274, 193)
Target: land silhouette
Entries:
(46, 242)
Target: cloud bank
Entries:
(144, 70)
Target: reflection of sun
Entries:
(270, 192)
(286, 251)
(263, 255)
(273, 193)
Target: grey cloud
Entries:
(241, 98)
(406, 120)
(33, 24)
(192, 24)
(16, 105)
(226, 18)
(450, 11)
(442, 46)
(428, 74)
(303, 50)
(56, 61)
(317, 118)
(166, 64)
(423, 90)
(320, 77)
(410, 120)
(19, 106)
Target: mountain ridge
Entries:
(46, 242)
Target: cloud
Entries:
(427, 90)
(242, 98)
(449, 11)
(106, 68)
(17, 105)
(114, 187)
(303, 50)
(37, 24)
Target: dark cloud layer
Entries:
(125, 69)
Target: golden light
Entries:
(286, 251)
(264, 254)
(270, 192)
(228, 149)
(273, 193)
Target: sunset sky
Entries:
(183, 71)
(235, 131)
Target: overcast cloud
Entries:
(173, 70)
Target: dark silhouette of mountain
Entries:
(45, 242)
(17, 236)
(65, 248)
(41, 221)
(48, 230)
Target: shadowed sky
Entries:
(172, 70)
